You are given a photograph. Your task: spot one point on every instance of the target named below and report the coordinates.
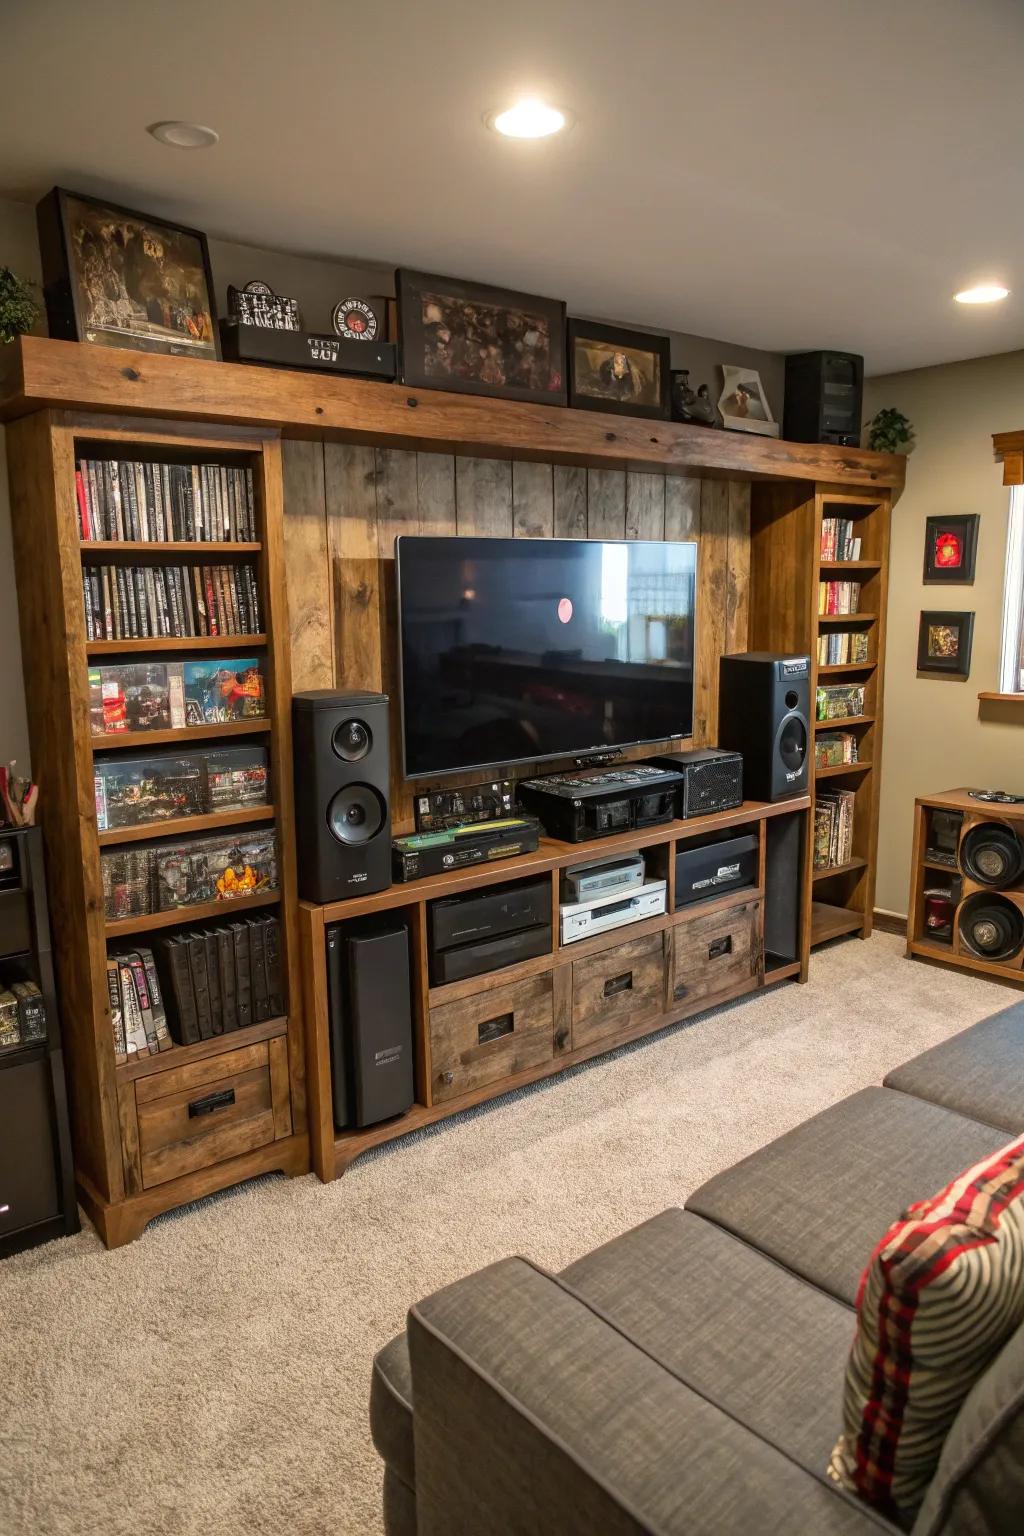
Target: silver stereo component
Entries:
(583, 919)
(612, 875)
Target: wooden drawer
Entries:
(491, 1035)
(208, 1111)
(716, 955)
(616, 988)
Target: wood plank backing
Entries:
(712, 608)
(606, 503)
(308, 566)
(483, 497)
(533, 506)
(737, 613)
(645, 506)
(350, 477)
(570, 495)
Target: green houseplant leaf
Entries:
(18, 307)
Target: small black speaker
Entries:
(764, 704)
(369, 996)
(783, 849)
(823, 398)
(991, 927)
(992, 855)
(342, 815)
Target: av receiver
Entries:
(597, 802)
(485, 930)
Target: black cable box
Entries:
(598, 802)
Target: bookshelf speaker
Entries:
(764, 704)
(342, 815)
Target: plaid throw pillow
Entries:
(941, 1294)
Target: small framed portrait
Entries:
(944, 644)
(614, 369)
(116, 278)
(480, 341)
(950, 549)
(743, 403)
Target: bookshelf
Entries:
(786, 570)
(136, 1155)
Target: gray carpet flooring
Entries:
(213, 1376)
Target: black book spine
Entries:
(200, 984)
(258, 968)
(226, 967)
(243, 974)
(272, 952)
(213, 981)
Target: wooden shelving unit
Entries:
(129, 1167)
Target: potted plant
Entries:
(18, 307)
(890, 432)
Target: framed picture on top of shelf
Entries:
(950, 549)
(613, 369)
(944, 644)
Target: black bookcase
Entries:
(37, 1189)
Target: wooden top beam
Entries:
(1008, 448)
(64, 375)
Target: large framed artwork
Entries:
(614, 369)
(950, 549)
(944, 644)
(117, 278)
(477, 340)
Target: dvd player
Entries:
(584, 919)
(612, 875)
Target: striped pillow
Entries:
(941, 1294)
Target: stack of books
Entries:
(141, 602)
(842, 647)
(833, 749)
(132, 500)
(137, 1010)
(837, 539)
(839, 701)
(838, 597)
(833, 828)
(142, 879)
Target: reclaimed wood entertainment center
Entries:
(360, 462)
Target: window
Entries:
(1011, 676)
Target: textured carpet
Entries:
(213, 1377)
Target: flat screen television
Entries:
(513, 650)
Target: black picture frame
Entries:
(617, 338)
(488, 350)
(954, 661)
(956, 536)
(76, 309)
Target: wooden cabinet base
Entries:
(124, 1222)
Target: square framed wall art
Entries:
(950, 549)
(944, 644)
(615, 369)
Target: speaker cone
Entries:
(991, 926)
(356, 814)
(351, 740)
(992, 855)
(793, 742)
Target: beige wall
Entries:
(935, 737)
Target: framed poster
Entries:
(944, 644)
(950, 549)
(614, 369)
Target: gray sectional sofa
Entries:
(687, 1377)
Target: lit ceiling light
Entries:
(529, 120)
(183, 135)
(984, 293)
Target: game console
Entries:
(584, 919)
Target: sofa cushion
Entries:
(979, 1072)
(755, 1340)
(942, 1294)
(818, 1198)
(391, 1408)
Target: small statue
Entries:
(696, 409)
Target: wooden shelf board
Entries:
(92, 547)
(119, 741)
(840, 869)
(178, 825)
(828, 922)
(1003, 698)
(843, 723)
(43, 373)
(157, 644)
(121, 927)
(847, 618)
(945, 869)
(946, 953)
(850, 565)
(838, 669)
(839, 770)
(182, 1055)
(781, 971)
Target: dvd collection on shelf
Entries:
(838, 701)
(22, 1013)
(140, 602)
(146, 878)
(161, 696)
(834, 749)
(843, 648)
(194, 986)
(838, 541)
(134, 792)
(132, 499)
(833, 827)
(838, 597)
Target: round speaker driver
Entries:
(356, 814)
(992, 855)
(793, 742)
(351, 740)
(991, 927)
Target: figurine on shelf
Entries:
(694, 408)
(19, 797)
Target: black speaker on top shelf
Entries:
(764, 705)
(342, 814)
(824, 392)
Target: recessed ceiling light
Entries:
(529, 119)
(984, 293)
(183, 135)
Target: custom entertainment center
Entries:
(520, 965)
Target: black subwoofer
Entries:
(342, 815)
(991, 927)
(764, 708)
(992, 855)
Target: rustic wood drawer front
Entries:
(491, 1035)
(715, 954)
(204, 1113)
(614, 989)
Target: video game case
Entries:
(10, 1029)
(156, 1001)
(116, 1010)
(31, 1011)
(134, 1026)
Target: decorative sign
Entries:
(258, 304)
(355, 320)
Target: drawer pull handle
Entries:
(720, 947)
(616, 984)
(211, 1102)
(680, 990)
(494, 1029)
(448, 1078)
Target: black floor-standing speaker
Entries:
(369, 996)
(764, 706)
(342, 813)
(783, 864)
